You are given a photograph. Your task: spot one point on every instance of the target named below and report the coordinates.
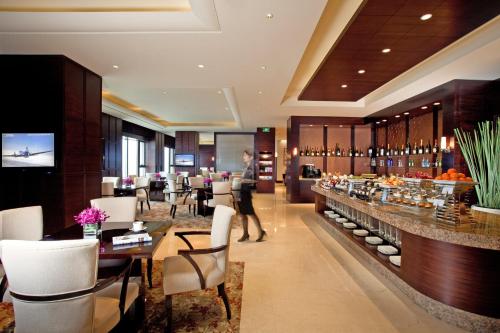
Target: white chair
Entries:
(151, 175)
(236, 188)
(24, 223)
(171, 176)
(60, 293)
(142, 192)
(163, 174)
(119, 209)
(185, 174)
(114, 180)
(216, 177)
(194, 184)
(198, 269)
(204, 172)
(179, 197)
(107, 189)
(221, 195)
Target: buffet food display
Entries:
(448, 194)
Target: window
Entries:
(133, 157)
(168, 161)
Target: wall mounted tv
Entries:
(28, 150)
(184, 159)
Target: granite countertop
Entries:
(484, 232)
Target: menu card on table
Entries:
(132, 238)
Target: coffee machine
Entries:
(309, 171)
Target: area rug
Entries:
(200, 311)
(160, 211)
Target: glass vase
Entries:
(91, 231)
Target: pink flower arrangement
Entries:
(178, 173)
(128, 181)
(207, 181)
(224, 175)
(157, 175)
(91, 215)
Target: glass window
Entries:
(133, 157)
(166, 159)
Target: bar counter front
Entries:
(451, 270)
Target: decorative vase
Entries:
(91, 231)
(486, 210)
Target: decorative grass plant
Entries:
(481, 151)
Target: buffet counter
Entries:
(453, 271)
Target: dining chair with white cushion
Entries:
(107, 189)
(142, 191)
(114, 180)
(221, 195)
(194, 184)
(171, 176)
(119, 209)
(60, 293)
(198, 269)
(25, 223)
(216, 177)
(179, 197)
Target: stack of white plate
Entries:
(341, 220)
(333, 215)
(387, 250)
(349, 225)
(360, 232)
(374, 240)
(328, 212)
(395, 260)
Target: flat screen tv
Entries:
(28, 150)
(184, 160)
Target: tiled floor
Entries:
(301, 280)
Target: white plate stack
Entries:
(349, 225)
(374, 240)
(388, 250)
(360, 232)
(395, 260)
(341, 220)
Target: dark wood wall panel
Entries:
(463, 277)
(207, 152)
(187, 142)
(112, 142)
(265, 142)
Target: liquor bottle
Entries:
(428, 147)
(388, 150)
(435, 149)
(301, 153)
(410, 162)
(318, 153)
(382, 151)
(400, 163)
(370, 152)
(350, 152)
(402, 150)
(337, 150)
(408, 148)
(377, 152)
(373, 162)
(356, 152)
(381, 162)
(361, 153)
(307, 151)
(421, 147)
(329, 152)
(415, 149)
(323, 151)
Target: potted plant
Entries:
(481, 151)
(128, 181)
(90, 219)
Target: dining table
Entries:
(109, 253)
(127, 190)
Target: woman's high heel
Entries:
(243, 238)
(261, 237)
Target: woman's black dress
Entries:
(245, 203)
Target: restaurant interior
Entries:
(361, 138)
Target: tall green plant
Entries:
(482, 155)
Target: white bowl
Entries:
(388, 250)
(360, 232)
(395, 260)
(349, 225)
(341, 220)
(374, 240)
(333, 216)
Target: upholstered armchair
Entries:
(24, 223)
(60, 293)
(114, 180)
(221, 195)
(195, 183)
(107, 189)
(179, 197)
(142, 191)
(119, 209)
(198, 269)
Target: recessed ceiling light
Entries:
(115, 66)
(425, 17)
(341, 125)
(378, 122)
(164, 92)
(344, 86)
(386, 50)
(310, 125)
(269, 15)
(259, 92)
(263, 67)
(436, 103)
(361, 71)
(397, 116)
(219, 92)
(406, 113)
(201, 66)
(384, 120)
(424, 107)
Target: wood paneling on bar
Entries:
(112, 142)
(207, 156)
(187, 142)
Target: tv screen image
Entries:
(27, 150)
(184, 160)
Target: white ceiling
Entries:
(159, 52)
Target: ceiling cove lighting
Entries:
(424, 107)
(386, 50)
(116, 66)
(361, 71)
(397, 116)
(269, 16)
(344, 86)
(406, 113)
(378, 122)
(384, 120)
(436, 103)
(201, 66)
(425, 17)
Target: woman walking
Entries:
(245, 203)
